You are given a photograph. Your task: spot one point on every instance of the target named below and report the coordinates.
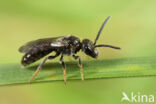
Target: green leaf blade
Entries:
(108, 68)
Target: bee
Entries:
(63, 46)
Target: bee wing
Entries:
(37, 44)
(25, 48)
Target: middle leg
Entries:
(80, 65)
(64, 68)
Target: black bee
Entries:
(65, 45)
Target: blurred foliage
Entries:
(132, 27)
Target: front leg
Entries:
(64, 68)
(80, 65)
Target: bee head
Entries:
(89, 48)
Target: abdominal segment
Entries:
(31, 57)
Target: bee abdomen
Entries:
(29, 57)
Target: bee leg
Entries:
(38, 69)
(80, 65)
(64, 68)
(40, 66)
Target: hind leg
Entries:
(40, 66)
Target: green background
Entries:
(132, 27)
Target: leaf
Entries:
(108, 68)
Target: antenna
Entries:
(103, 25)
(110, 46)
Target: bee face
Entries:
(89, 49)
